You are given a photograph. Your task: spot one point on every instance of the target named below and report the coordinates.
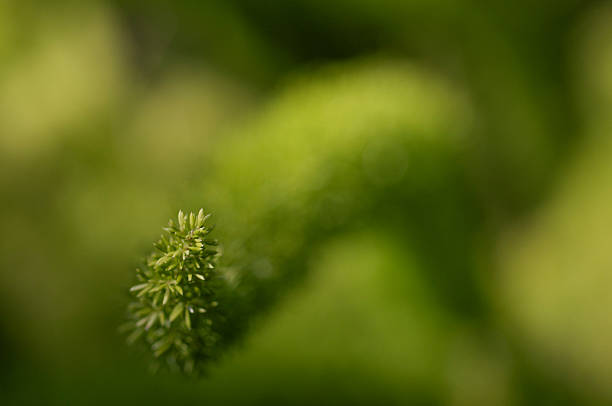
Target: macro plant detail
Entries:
(412, 201)
(318, 194)
(174, 308)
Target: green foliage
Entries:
(175, 307)
(391, 158)
(385, 184)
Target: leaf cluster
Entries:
(174, 308)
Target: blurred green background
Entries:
(414, 196)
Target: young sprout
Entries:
(179, 277)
